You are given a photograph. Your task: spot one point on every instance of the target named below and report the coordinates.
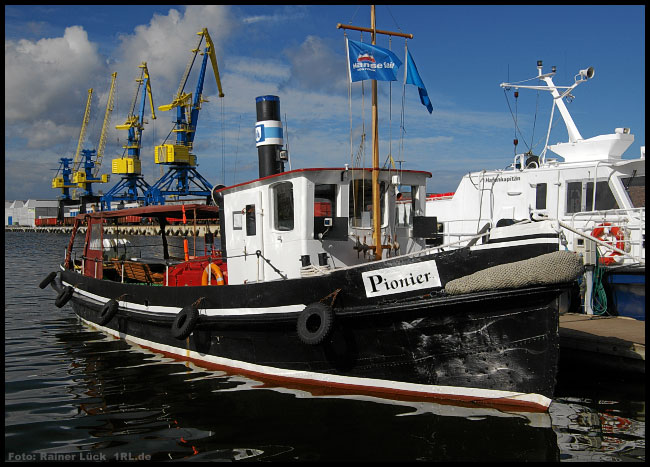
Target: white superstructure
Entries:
(592, 194)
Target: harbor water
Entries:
(73, 393)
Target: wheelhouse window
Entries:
(406, 206)
(635, 187)
(361, 202)
(325, 200)
(580, 197)
(95, 236)
(283, 206)
(251, 227)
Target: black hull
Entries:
(489, 341)
(497, 348)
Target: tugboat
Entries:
(301, 289)
(595, 198)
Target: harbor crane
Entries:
(62, 179)
(182, 178)
(130, 166)
(90, 173)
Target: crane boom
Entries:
(107, 119)
(213, 59)
(82, 133)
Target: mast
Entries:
(376, 207)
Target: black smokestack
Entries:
(268, 135)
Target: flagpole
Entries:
(376, 206)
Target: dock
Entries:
(171, 230)
(614, 342)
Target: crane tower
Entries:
(182, 178)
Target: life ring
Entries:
(108, 311)
(212, 269)
(45, 282)
(315, 323)
(64, 296)
(605, 232)
(184, 322)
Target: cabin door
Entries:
(248, 227)
(92, 259)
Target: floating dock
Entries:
(613, 342)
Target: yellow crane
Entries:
(130, 166)
(84, 178)
(63, 180)
(182, 178)
(188, 114)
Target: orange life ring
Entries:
(212, 269)
(605, 231)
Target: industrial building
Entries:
(25, 213)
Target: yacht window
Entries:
(540, 196)
(325, 201)
(573, 197)
(250, 220)
(580, 197)
(635, 187)
(283, 206)
(604, 197)
(361, 203)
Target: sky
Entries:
(55, 53)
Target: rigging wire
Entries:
(403, 116)
(223, 144)
(532, 136)
(236, 152)
(514, 117)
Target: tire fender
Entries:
(184, 322)
(108, 312)
(64, 296)
(315, 323)
(45, 282)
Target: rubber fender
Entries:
(108, 311)
(184, 322)
(64, 296)
(45, 282)
(315, 323)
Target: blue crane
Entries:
(92, 159)
(182, 178)
(64, 180)
(130, 167)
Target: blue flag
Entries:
(366, 61)
(413, 77)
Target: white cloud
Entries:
(315, 66)
(292, 12)
(265, 70)
(166, 44)
(53, 73)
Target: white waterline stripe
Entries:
(209, 311)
